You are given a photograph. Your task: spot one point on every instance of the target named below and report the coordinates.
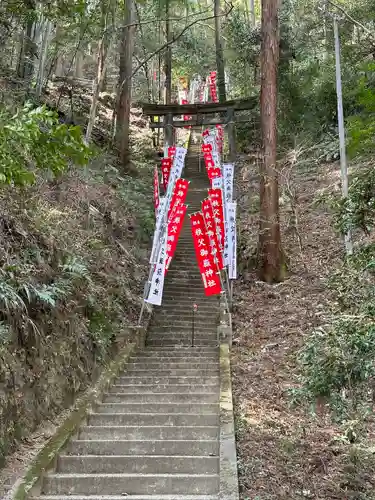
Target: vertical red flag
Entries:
(208, 160)
(214, 173)
(220, 137)
(179, 195)
(206, 148)
(211, 231)
(156, 189)
(166, 165)
(216, 198)
(171, 152)
(207, 267)
(174, 230)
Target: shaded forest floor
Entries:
(286, 452)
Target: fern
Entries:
(10, 299)
(75, 268)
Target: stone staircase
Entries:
(156, 435)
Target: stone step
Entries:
(169, 343)
(185, 308)
(153, 365)
(160, 388)
(194, 447)
(174, 309)
(192, 350)
(176, 356)
(144, 381)
(164, 419)
(130, 484)
(145, 464)
(200, 322)
(192, 296)
(177, 330)
(176, 372)
(128, 497)
(172, 408)
(169, 397)
(179, 316)
(186, 338)
(183, 333)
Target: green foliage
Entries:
(357, 210)
(361, 126)
(354, 283)
(33, 138)
(338, 363)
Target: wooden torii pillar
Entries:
(221, 114)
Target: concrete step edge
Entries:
(128, 497)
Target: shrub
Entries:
(32, 138)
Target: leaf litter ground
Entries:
(286, 452)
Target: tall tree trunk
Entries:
(219, 53)
(168, 59)
(252, 11)
(168, 130)
(46, 30)
(98, 84)
(78, 73)
(271, 265)
(27, 55)
(125, 83)
(148, 71)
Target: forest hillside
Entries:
(77, 163)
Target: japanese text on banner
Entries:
(155, 294)
(212, 233)
(207, 267)
(216, 197)
(174, 230)
(232, 241)
(156, 190)
(166, 164)
(179, 196)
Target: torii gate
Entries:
(223, 114)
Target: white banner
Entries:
(232, 240)
(211, 139)
(176, 171)
(217, 183)
(155, 294)
(159, 223)
(216, 158)
(228, 174)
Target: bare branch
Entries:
(173, 40)
(354, 21)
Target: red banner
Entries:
(206, 148)
(216, 198)
(212, 77)
(205, 132)
(179, 196)
(220, 137)
(156, 189)
(214, 173)
(174, 230)
(211, 231)
(171, 152)
(186, 117)
(208, 160)
(207, 267)
(166, 165)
